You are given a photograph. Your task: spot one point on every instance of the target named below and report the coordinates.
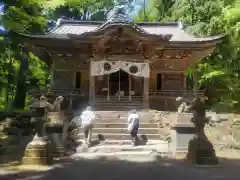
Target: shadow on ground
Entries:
(113, 169)
(15, 151)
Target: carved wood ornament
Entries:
(174, 54)
(117, 42)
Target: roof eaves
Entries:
(47, 36)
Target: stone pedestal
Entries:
(54, 133)
(201, 151)
(38, 152)
(182, 131)
(57, 132)
(39, 118)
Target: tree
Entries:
(82, 10)
(219, 71)
(21, 16)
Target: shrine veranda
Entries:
(120, 63)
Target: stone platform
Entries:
(113, 125)
(123, 149)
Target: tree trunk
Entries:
(21, 87)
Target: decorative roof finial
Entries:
(121, 2)
(120, 11)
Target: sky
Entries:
(138, 5)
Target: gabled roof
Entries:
(171, 31)
(155, 28)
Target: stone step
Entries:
(81, 155)
(123, 125)
(123, 120)
(121, 136)
(118, 107)
(114, 114)
(116, 101)
(127, 142)
(132, 156)
(106, 148)
(125, 131)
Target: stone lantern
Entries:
(200, 149)
(57, 128)
(39, 109)
(38, 151)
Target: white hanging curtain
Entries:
(99, 68)
(136, 69)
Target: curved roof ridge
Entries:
(89, 22)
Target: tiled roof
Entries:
(120, 18)
(79, 27)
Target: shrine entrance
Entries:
(119, 83)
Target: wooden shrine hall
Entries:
(119, 64)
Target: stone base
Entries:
(201, 151)
(179, 155)
(38, 152)
(59, 152)
(37, 161)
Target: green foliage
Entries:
(81, 9)
(20, 16)
(21, 71)
(155, 10)
(219, 73)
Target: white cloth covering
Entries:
(97, 68)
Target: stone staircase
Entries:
(113, 126)
(122, 104)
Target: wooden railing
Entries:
(175, 93)
(78, 92)
(161, 100)
(73, 93)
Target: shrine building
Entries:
(119, 64)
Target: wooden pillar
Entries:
(184, 81)
(145, 92)
(162, 94)
(70, 101)
(52, 79)
(91, 88)
(119, 85)
(130, 86)
(108, 95)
